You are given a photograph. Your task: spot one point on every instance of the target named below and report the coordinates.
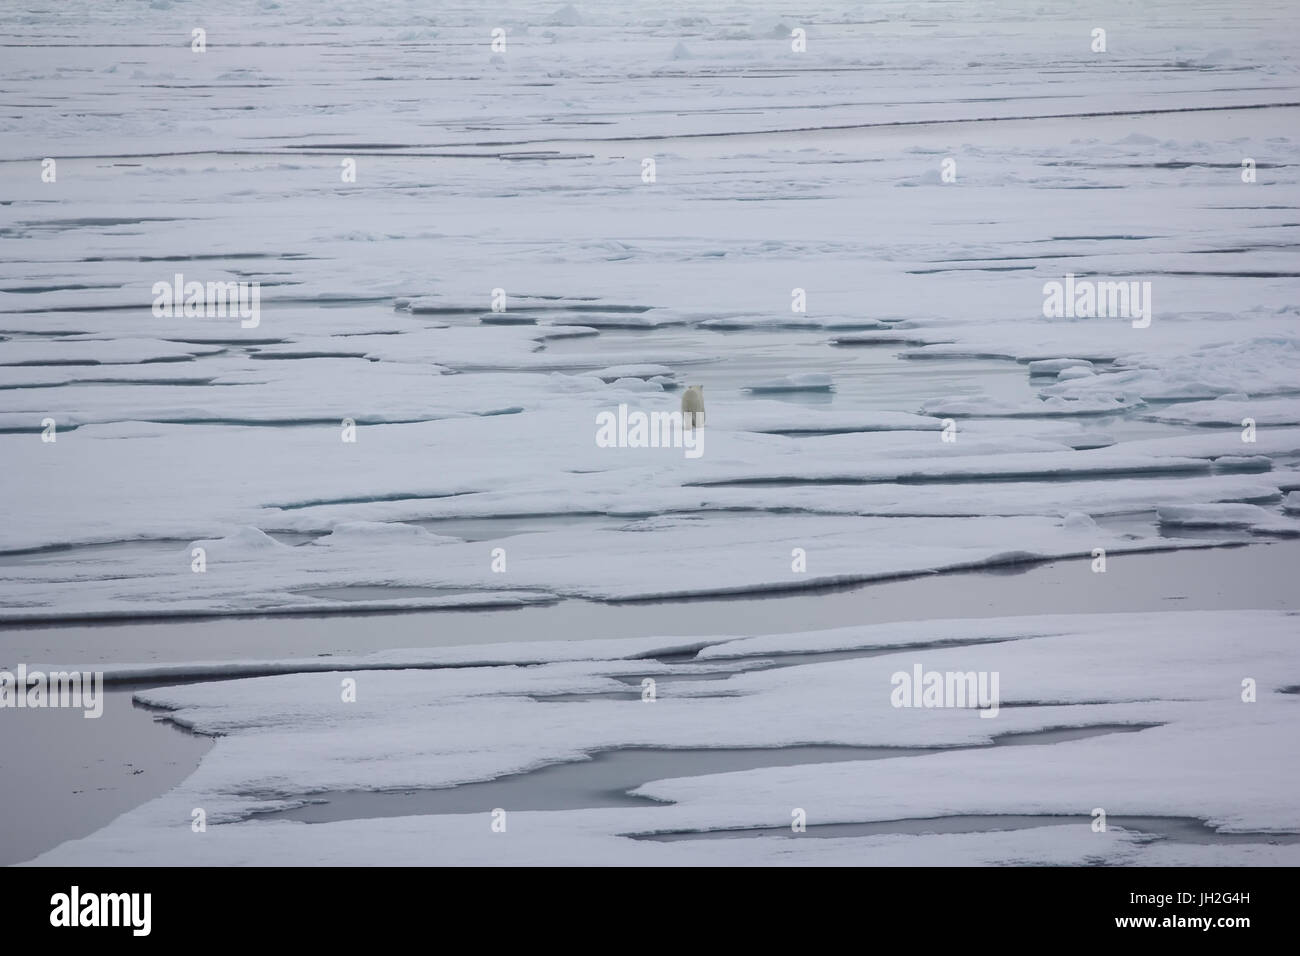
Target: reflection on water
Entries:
(67, 776)
(1260, 575)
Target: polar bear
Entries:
(693, 406)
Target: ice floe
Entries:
(1198, 749)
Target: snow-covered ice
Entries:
(467, 254)
(1173, 680)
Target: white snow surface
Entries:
(1203, 752)
(838, 322)
(411, 421)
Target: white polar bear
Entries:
(693, 406)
